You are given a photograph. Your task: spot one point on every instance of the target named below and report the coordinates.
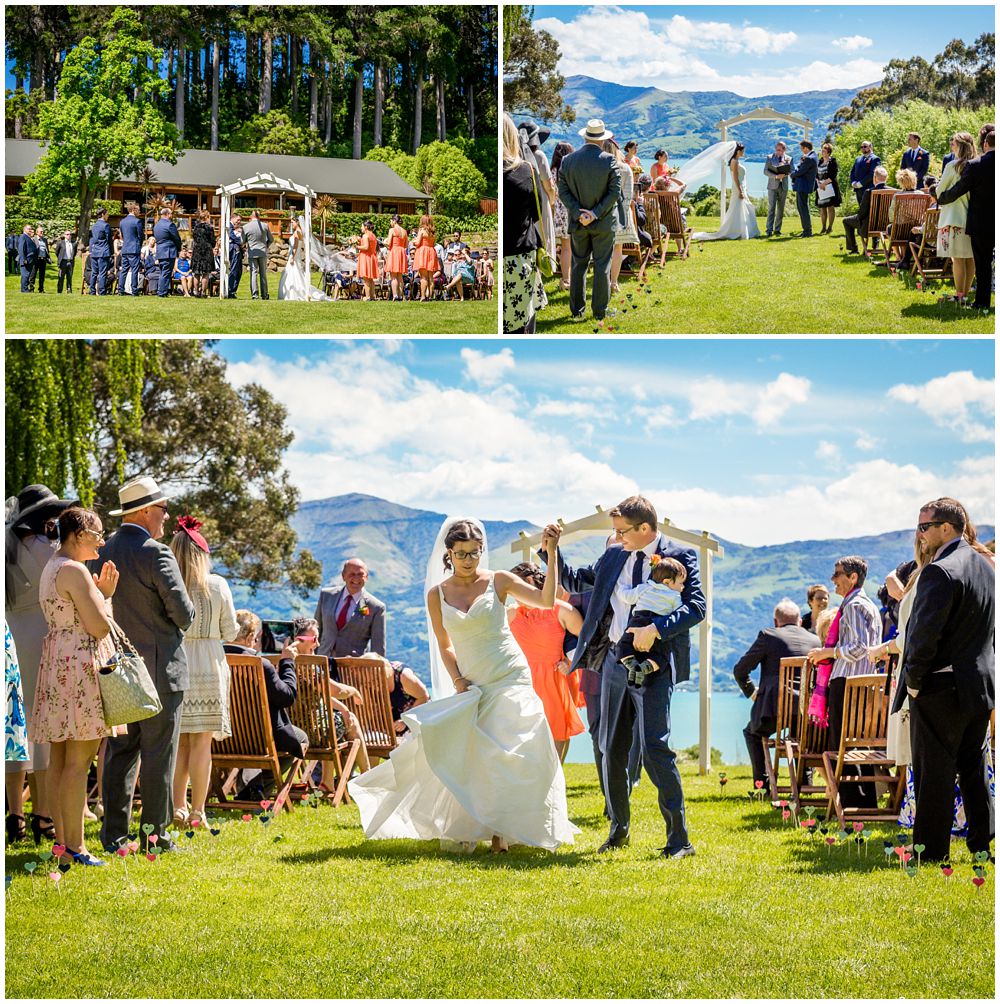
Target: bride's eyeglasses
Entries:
(468, 555)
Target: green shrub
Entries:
(64, 214)
(340, 226)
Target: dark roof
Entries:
(354, 178)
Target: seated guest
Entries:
(182, 272)
(463, 273)
(818, 598)
(148, 266)
(907, 181)
(282, 687)
(930, 188)
(857, 223)
(785, 640)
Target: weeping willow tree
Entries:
(51, 418)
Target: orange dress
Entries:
(368, 257)
(540, 636)
(426, 259)
(397, 251)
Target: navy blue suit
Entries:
(235, 260)
(100, 256)
(918, 160)
(133, 230)
(804, 184)
(622, 705)
(863, 171)
(27, 257)
(168, 244)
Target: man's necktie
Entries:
(342, 616)
(637, 569)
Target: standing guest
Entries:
(817, 599)
(15, 730)
(863, 170)
(205, 708)
(154, 611)
(804, 184)
(541, 633)
(168, 245)
(625, 231)
(952, 240)
(10, 243)
(977, 183)
(351, 620)
(203, 258)
(485, 273)
(68, 711)
(948, 674)
(856, 629)
(42, 261)
(368, 259)
(857, 223)
(659, 168)
(787, 639)
(777, 167)
(560, 220)
(116, 259)
(533, 139)
(100, 253)
(28, 550)
(27, 255)
(425, 259)
(257, 236)
(133, 230)
(590, 185)
(182, 272)
(523, 289)
(236, 243)
(396, 265)
(916, 158)
(828, 188)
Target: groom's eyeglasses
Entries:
(468, 555)
(924, 527)
(628, 529)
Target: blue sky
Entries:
(758, 441)
(777, 49)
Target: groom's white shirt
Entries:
(620, 610)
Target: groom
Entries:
(635, 525)
(804, 184)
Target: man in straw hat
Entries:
(589, 186)
(153, 609)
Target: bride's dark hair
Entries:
(739, 149)
(461, 530)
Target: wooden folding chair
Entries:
(925, 257)
(909, 213)
(652, 206)
(863, 743)
(252, 743)
(878, 219)
(807, 751)
(313, 713)
(676, 229)
(776, 747)
(375, 713)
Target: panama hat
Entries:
(594, 130)
(137, 494)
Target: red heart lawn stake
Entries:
(978, 881)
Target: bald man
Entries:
(351, 620)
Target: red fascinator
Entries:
(191, 526)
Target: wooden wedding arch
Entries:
(599, 522)
(757, 113)
(268, 183)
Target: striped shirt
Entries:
(860, 629)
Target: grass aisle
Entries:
(781, 285)
(306, 908)
(49, 313)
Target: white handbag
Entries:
(127, 690)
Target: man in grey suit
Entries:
(258, 239)
(153, 609)
(589, 187)
(777, 167)
(351, 620)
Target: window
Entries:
(390, 207)
(245, 201)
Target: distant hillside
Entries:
(684, 122)
(396, 542)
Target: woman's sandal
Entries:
(181, 817)
(42, 826)
(498, 845)
(16, 828)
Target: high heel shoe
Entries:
(42, 826)
(85, 858)
(16, 829)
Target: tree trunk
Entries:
(439, 92)
(18, 119)
(359, 90)
(86, 207)
(56, 73)
(179, 68)
(215, 96)
(38, 71)
(264, 104)
(293, 66)
(313, 94)
(471, 107)
(327, 102)
(405, 90)
(418, 106)
(379, 98)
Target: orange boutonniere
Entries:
(363, 609)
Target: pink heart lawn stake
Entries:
(133, 846)
(785, 813)
(831, 840)
(56, 877)
(195, 822)
(247, 817)
(978, 881)
(150, 856)
(122, 852)
(153, 838)
(783, 803)
(899, 851)
(858, 827)
(58, 850)
(758, 784)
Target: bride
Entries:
(481, 763)
(740, 221)
(294, 282)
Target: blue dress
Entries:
(16, 733)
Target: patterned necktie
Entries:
(637, 569)
(342, 616)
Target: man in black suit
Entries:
(27, 255)
(66, 260)
(948, 674)
(979, 180)
(786, 639)
(42, 261)
(858, 222)
(10, 243)
(236, 244)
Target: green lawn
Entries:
(49, 313)
(306, 908)
(776, 286)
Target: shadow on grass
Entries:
(399, 851)
(941, 313)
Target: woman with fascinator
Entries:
(481, 764)
(205, 710)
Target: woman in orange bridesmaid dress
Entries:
(396, 265)
(368, 259)
(541, 633)
(426, 260)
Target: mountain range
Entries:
(396, 542)
(684, 122)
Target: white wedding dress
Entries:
(293, 283)
(479, 763)
(740, 221)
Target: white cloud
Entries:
(867, 442)
(565, 409)
(486, 369)
(959, 401)
(730, 38)
(827, 451)
(852, 43)
(711, 397)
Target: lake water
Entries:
(730, 712)
(756, 179)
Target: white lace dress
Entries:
(479, 763)
(740, 221)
